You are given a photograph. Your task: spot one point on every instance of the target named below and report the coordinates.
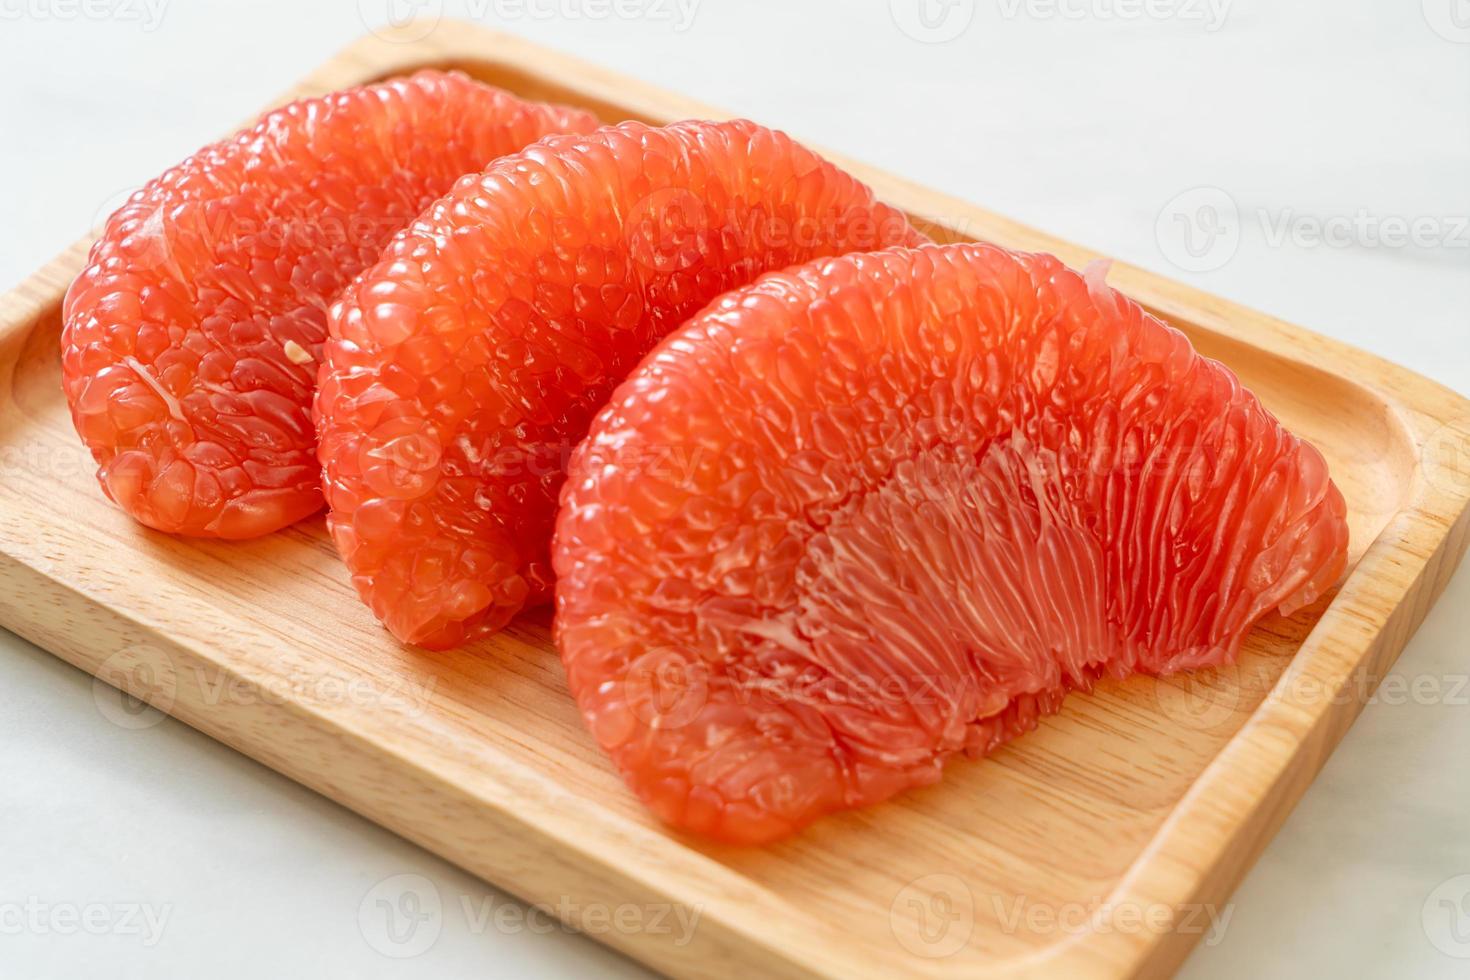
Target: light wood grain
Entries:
(1148, 795)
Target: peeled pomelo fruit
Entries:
(466, 365)
(190, 343)
(866, 514)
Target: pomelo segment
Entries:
(866, 514)
(191, 342)
(466, 365)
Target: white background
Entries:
(1084, 117)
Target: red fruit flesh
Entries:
(866, 514)
(190, 343)
(464, 366)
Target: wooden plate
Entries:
(1100, 845)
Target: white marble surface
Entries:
(1073, 115)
